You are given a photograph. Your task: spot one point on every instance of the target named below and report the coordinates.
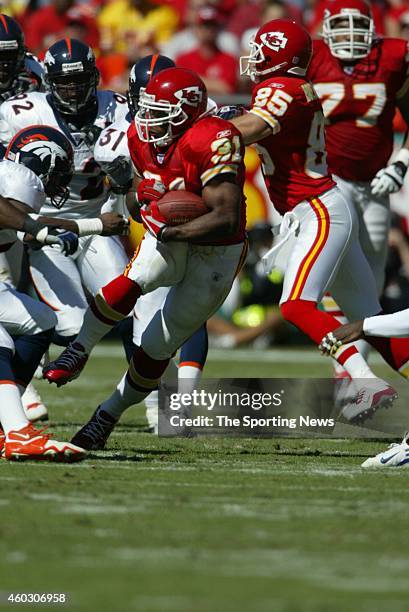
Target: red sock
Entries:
(116, 300)
(395, 351)
(309, 319)
(144, 372)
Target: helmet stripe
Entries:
(153, 63)
(68, 42)
(4, 22)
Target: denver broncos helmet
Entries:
(48, 153)
(71, 76)
(12, 51)
(141, 73)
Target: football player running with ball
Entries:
(173, 140)
(286, 123)
(361, 79)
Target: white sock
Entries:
(12, 415)
(357, 367)
(91, 332)
(123, 397)
(188, 377)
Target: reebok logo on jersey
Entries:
(274, 40)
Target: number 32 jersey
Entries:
(293, 157)
(359, 105)
(88, 190)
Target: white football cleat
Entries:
(33, 405)
(396, 455)
(344, 391)
(375, 394)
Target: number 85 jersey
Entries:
(293, 157)
(359, 104)
(88, 190)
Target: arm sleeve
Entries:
(394, 325)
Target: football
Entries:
(179, 207)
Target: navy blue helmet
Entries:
(71, 76)
(12, 51)
(49, 154)
(140, 75)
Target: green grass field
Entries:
(206, 524)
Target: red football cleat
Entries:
(67, 366)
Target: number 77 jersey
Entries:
(359, 103)
(293, 157)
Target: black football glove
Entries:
(120, 174)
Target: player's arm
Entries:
(395, 325)
(224, 199)
(252, 127)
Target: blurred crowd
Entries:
(207, 35)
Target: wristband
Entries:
(90, 227)
(32, 226)
(403, 157)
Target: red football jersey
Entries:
(293, 157)
(211, 147)
(359, 105)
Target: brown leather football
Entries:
(179, 207)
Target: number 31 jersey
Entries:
(293, 157)
(88, 190)
(359, 104)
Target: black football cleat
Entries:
(95, 433)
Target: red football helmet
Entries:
(348, 28)
(169, 105)
(279, 46)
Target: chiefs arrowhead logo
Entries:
(274, 40)
(192, 96)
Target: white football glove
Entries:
(389, 179)
(329, 345)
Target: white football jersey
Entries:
(113, 141)
(19, 183)
(88, 190)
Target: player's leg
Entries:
(102, 259)
(354, 274)
(31, 323)
(154, 265)
(327, 225)
(193, 354)
(188, 305)
(20, 439)
(57, 283)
